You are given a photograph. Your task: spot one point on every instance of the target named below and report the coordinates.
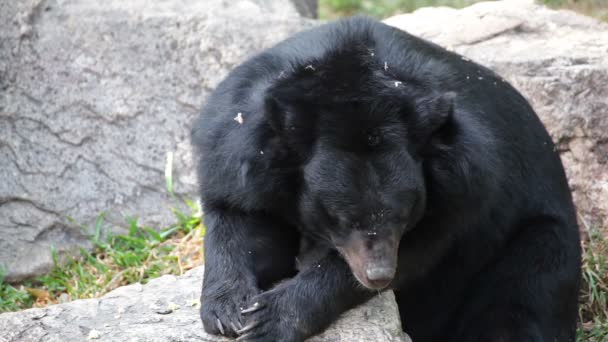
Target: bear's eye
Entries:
(373, 139)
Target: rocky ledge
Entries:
(166, 310)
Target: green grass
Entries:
(594, 8)
(12, 298)
(117, 259)
(331, 9)
(593, 312)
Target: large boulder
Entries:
(166, 310)
(93, 97)
(558, 60)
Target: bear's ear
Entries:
(432, 113)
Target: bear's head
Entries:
(360, 135)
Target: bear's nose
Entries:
(380, 277)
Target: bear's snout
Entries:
(372, 260)
(379, 277)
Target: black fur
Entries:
(382, 159)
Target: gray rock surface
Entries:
(307, 8)
(94, 95)
(133, 313)
(558, 60)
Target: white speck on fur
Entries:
(397, 83)
(480, 78)
(310, 67)
(468, 77)
(465, 59)
(262, 152)
(239, 118)
(385, 66)
(94, 335)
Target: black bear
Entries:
(353, 158)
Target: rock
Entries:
(307, 8)
(93, 97)
(166, 310)
(558, 60)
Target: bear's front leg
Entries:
(229, 281)
(244, 253)
(304, 305)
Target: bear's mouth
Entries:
(374, 284)
(373, 261)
